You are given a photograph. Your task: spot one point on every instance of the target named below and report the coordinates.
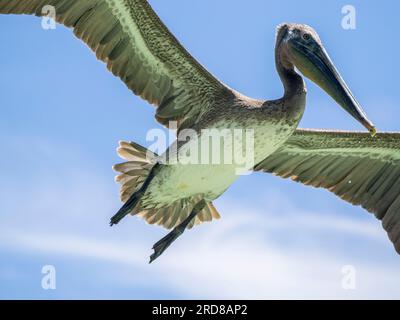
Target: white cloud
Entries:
(217, 261)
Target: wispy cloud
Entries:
(221, 263)
(278, 252)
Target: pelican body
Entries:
(360, 167)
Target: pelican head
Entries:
(301, 46)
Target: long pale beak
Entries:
(316, 65)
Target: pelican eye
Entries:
(306, 36)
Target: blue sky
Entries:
(63, 114)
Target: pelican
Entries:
(362, 168)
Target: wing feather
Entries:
(138, 48)
(356, 167)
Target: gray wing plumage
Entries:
(139, 49)
(358, 168)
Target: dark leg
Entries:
(165, 242)
(135, 197)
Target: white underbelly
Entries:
(184, 181)
(192, 173)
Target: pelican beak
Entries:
(314, 62)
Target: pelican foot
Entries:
(135, 197)
(165, 242)
(126, 208)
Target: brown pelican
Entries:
(361, 168)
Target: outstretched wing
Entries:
(139, 49)
(358, 168)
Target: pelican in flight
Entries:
(362, 168)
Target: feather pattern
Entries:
(137, 47)
(132, 175)
(360, 169)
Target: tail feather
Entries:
(132, 151)
(133, 173)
